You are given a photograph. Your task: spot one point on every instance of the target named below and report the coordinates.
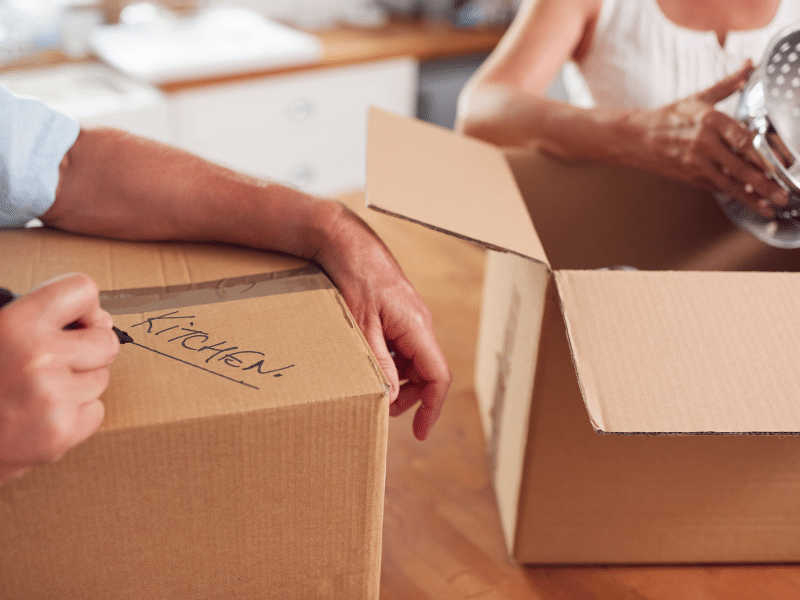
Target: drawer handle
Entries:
(300, 109)
(301, 176)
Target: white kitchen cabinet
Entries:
(96, 95)
(307, 129)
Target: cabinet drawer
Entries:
(316, 96)
(307, 129)
(320, 160)
(96, 95)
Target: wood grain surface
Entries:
(442, 537)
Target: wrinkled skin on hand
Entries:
(52, 378)
(392, 316)
(692, 142)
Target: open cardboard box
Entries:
(243, 449)
(638, 416)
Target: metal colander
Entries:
(770, 107)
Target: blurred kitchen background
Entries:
(276, 88)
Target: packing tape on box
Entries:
(140, 300)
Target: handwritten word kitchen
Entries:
(173, 327)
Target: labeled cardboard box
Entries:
(631, 416)
(243, 449)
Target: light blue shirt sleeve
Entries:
(33, 141)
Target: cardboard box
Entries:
(690, 375)
(243, 450)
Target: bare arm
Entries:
(504, 102)
(688, 141)
(117, 185)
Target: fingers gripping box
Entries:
(242, 453)
(631, 416)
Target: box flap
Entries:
(455, 184)
(685, 352)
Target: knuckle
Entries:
(82, 280)
(80, 284)
(426, 313)
(55, 433)
(709, 119)
(31, 383)
(36, 362)
(88, 287)
(739, 141)
(424, 317)
(448, 378)
(729, 133)
(44, 390)
(688, 159)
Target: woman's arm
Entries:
(504, 102)
(688, 141)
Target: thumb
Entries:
(725, 87)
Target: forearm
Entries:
(508, 117)
(117, 185)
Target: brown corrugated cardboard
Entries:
(243, 450)
(637, 353)
(709, 377)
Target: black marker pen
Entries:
(7, 296)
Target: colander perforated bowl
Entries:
(781, 78)
(770, 107)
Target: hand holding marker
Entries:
(51, 379)
(7, 296)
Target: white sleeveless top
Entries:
(638, 58)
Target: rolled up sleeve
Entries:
(33, 142)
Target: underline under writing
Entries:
(203, 368)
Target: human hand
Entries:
(52, 378)
(690, 141)
(392, 317)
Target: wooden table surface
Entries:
(442, 536)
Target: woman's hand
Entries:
(692, 142)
